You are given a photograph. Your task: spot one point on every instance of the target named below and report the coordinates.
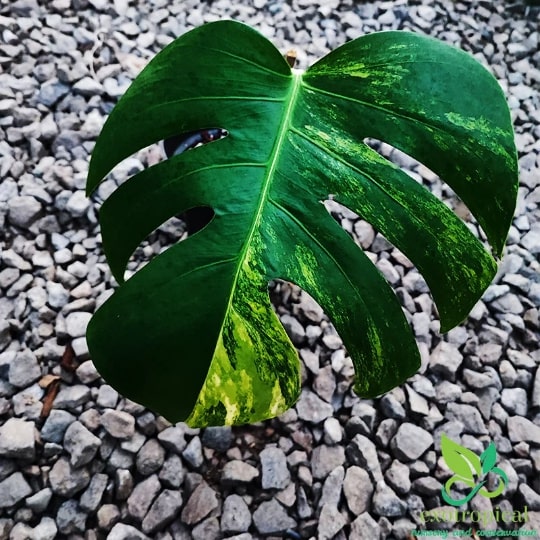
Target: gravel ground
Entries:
(77, 460)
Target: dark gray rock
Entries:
(142, 497)
(172, 473)
(70, 518)
(193, 453)
(202, 501)
(218, 438)
(522, 429)
(364, 527)
(270, 517)
(387, 503)
(39, 501)
(150, 457)
(91, 498)
(275, 474)
(362, 452)
(173, 439)
(397, 477)
(445, 360)
(164, 509)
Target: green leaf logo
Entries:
(470, 470)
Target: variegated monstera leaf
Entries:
(193, 334)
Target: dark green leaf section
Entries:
(192, 334)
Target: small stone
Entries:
(23, 211)
(172, 473)
(331, 490)
(193, 453)
(107, 516)
(55, 426)
(522, 429)
(427, 485)
(333, 433)
(410, 442)
(514, 400)
(531, 497)
(235, 516)
(445, 360)
(46, 529)
(387, 503)
(293, 328)
(57, 294)
(325, 459)
(39, 501)
(81, 444)
(358, 490)
(207, 530)
(364, 527)
(150, 457)
(118, 424)
(173, 439)
(121, 531)
(65, 480)
(312, 408)
(362, 452)
(17, 439)
(24, 369)
(218, 438)
(13, 489)
(163, 511)
(397, 477)
(124, 484)
(275, 474)
(91, 498)
(535, 397)
(270, 517)
(468, 415)
(107, 397)
(71, 397)
(331, 521)
(70, 518)
(142, 497)
(77, 322)
(202, 501)
(238, 472)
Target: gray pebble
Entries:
(23, 211)
(70, 518)
(107, 516)
(331, 490)
(410, 442)
(201, 502)
(71, 397)
(358, 490)
(270, 517)
(235, 516)
(445, 360)
(468, 415)
(13, 489)
(46, 529)
(55, 426)
(91, 498)
(325, 459)
(81, 444)
(66, 480)
(312, 408)
(364, 527)
(24, 369)
(275, 474)
(173, 439)
(218, 438)
(142, 497)
(331, 521)
(77, 322)
(150, 457)
(238, 472)
(514, 400)
(193, 452)
(362, 452)
(397, 477)
(522, 429)
(387, 503)
(17, 439)
(164, 509)
(39, 501)
(172, 473)
(121, 531)
(118, 424)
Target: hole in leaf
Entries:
(186, 141)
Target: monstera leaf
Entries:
(193, 333)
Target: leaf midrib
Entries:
(273, 160)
